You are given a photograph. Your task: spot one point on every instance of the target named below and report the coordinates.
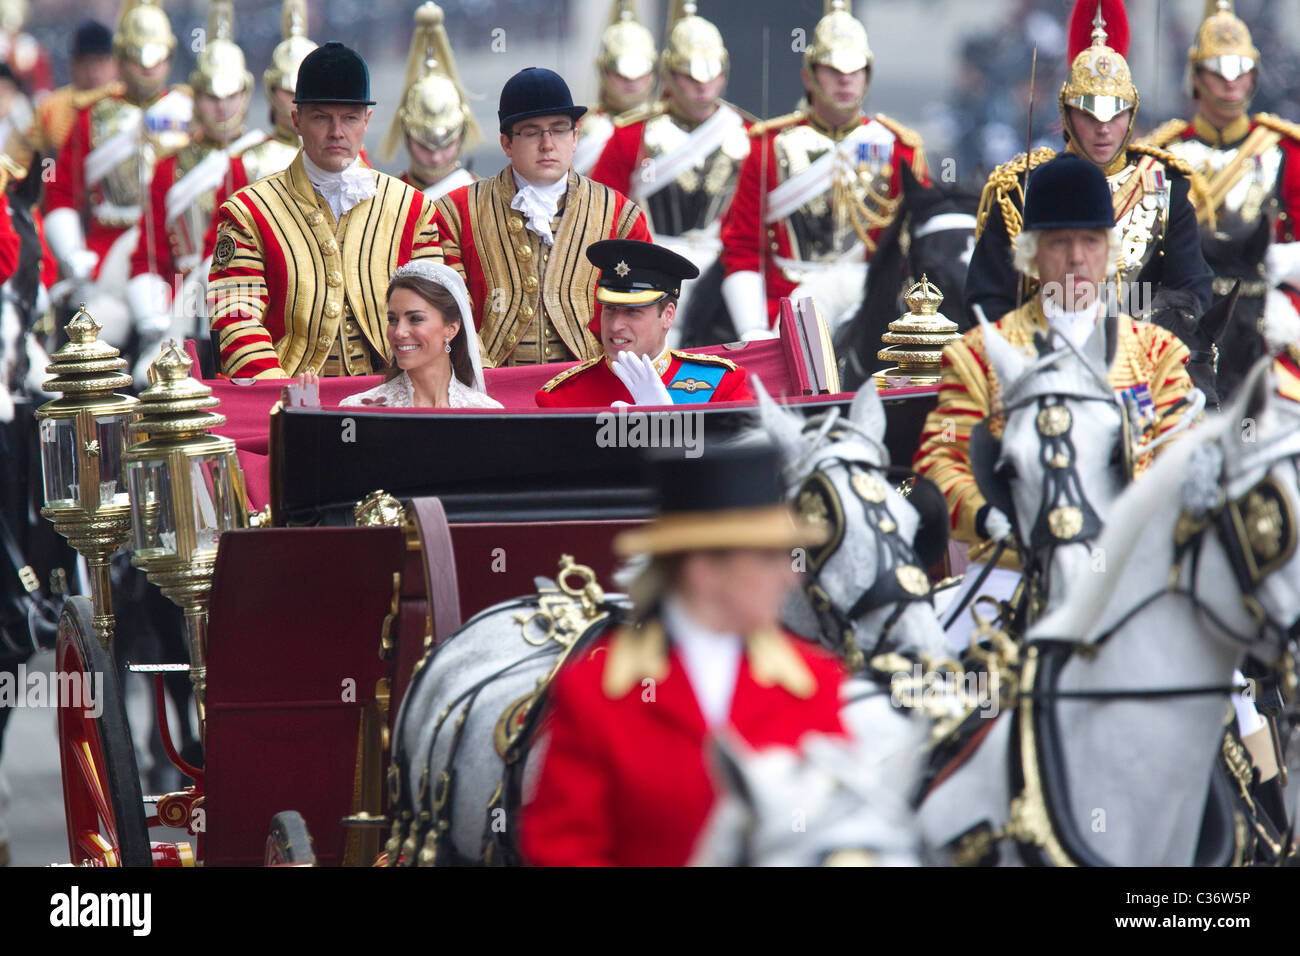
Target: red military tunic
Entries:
(515, 279)
(626, 779)
(786, 146)
(105, 204)
(593, 383)
(9, 242)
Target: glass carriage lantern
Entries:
(83, 436)
(186, 489)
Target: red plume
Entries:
(1081, 27)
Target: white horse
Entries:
(1124, 687)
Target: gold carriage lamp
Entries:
(186, 489)
(83, 437)
(916, 340)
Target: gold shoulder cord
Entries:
(1004, 187)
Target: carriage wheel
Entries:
(101, 783)
(289, 843)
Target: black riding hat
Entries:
(333, 73)
(1068, 192)
(536, 92)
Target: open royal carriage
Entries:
(310, 595)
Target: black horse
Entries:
(932, 234)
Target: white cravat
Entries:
(1075, 326)
(539, 204)
(711, 660)
(341, 190)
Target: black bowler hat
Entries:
(333, 73)
(633, 272)
(729, 498)
(91, 38)
(1068, 192)
(536, 92)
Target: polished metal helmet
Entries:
(434, 111)
(220, 69)
(626, 47)
(1100, 82)
(289, 53)
(1223, 43)
(144, 34)
(13, 15)
(839, 41)
(695, 45)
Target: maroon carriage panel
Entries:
(296, 613)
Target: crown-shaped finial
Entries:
(924, 298)
(173, 364)
(83, 329)
(1099, 28)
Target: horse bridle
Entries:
(899, 579)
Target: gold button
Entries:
(515, 224)
(315, 219)
(511, 338)
(530, 283)
(332, 310)
(525, 252)
(334, 279)
(527, 310)
(548, 350)
(351, 328)
(329, 247)
(324, 341)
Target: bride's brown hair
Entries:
(445, 303)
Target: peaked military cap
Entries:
(633, 272)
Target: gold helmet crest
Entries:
(839, 41)
(144, 34)
(220, 69)
(289, 53)
(1100, 82)
(434, 110)
(695, 45)
(1223, 43)
(626, 47)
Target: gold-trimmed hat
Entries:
(839, 41)
(287, 57)
(434, 110)
(220, 69)
(634, 272)
(1223, 43)
(730, 498)
(144, 34)
(695, 45)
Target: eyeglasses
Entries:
(534, 133)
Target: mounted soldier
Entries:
(1250, 167)
(626, 65)
(818, 187)
(1150, 187)
(183, 193)
(95, 202)
(300, 255)
(92, 66)
(519, 238)
(27, 58)
(680, 157)
(434, 118)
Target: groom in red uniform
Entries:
(626, 778)
(638, 288)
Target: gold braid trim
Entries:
(1165, 133)
(705, 359)
(1169, 159)
(1005, 188)
(1276, 123)
(1199, 194)
(639, 113)
(777, 122)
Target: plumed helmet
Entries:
(13, 14)
(1223, 43)
(144, 34)
(434, 110)
(1099, 82)
(839, 41)
(626, 47)
(289, 53)
(220, 69)
(695, 45)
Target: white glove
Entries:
(746, 300)
(1282, 262)
(149, 299)
(997, 525)
(67, 240)
(638, 373)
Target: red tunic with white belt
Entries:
(625, 779)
